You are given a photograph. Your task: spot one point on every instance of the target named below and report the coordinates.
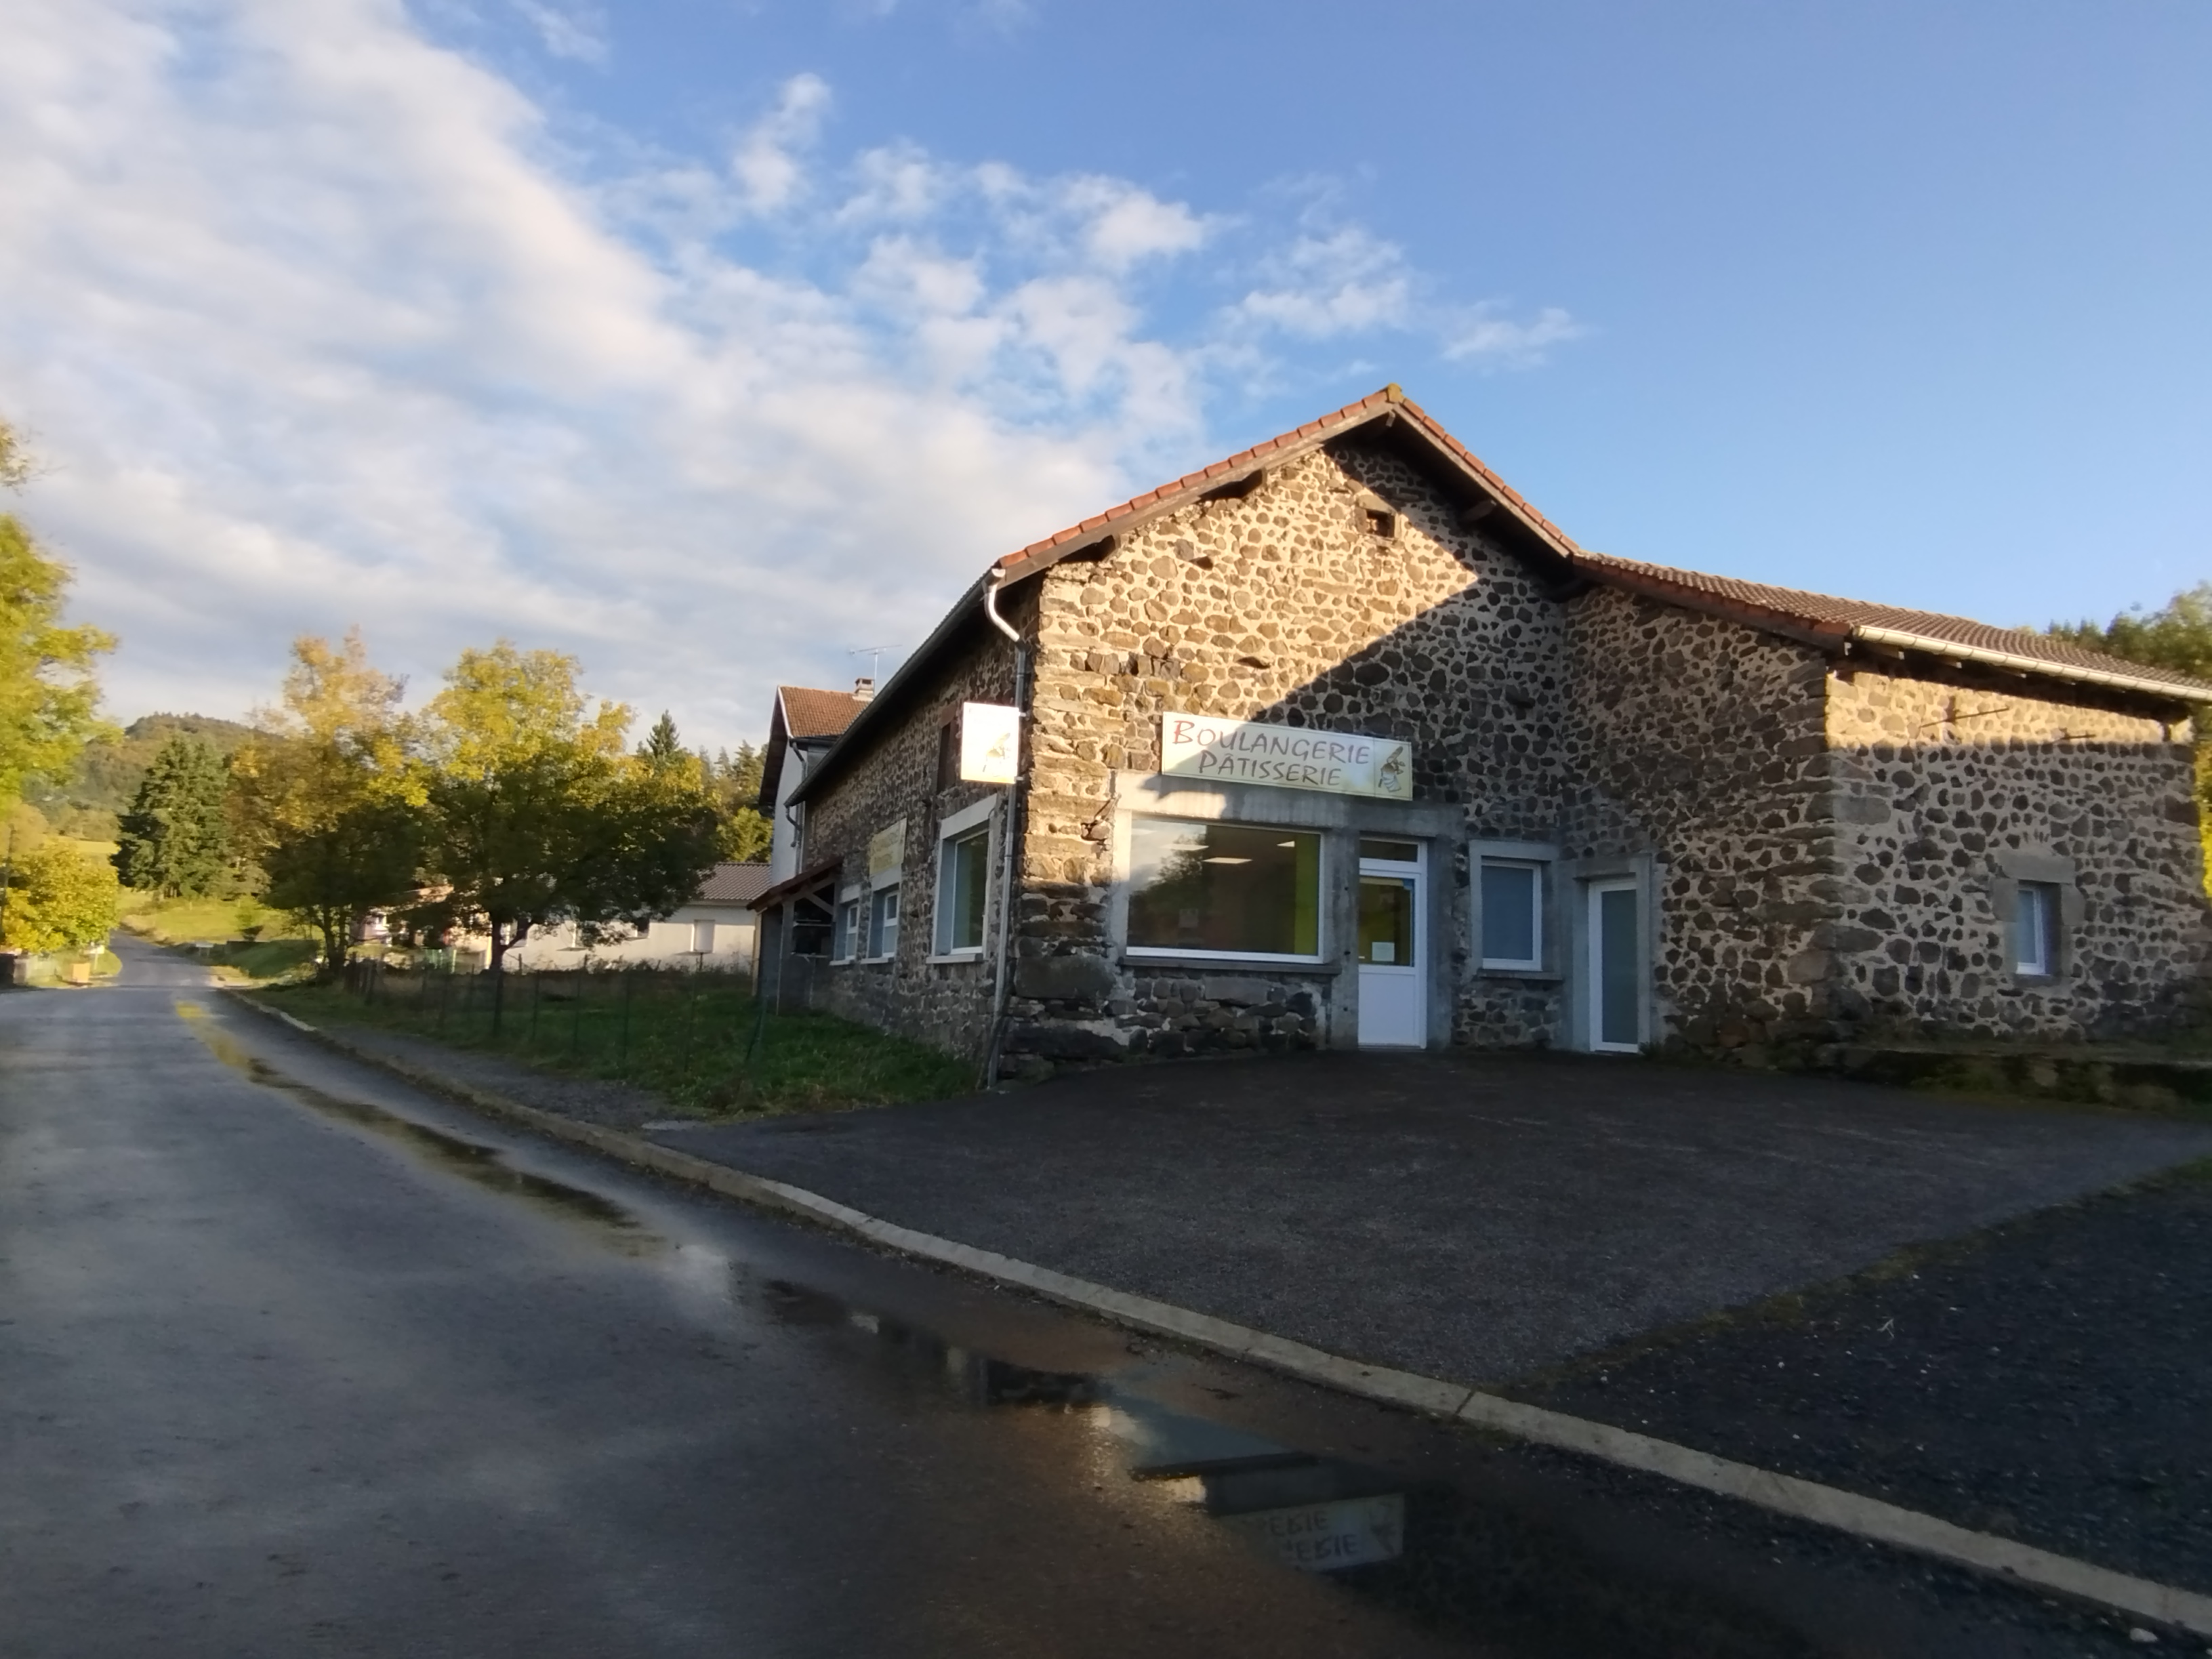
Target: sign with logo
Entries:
(990, 742)
(887, 852)
(1290, 757)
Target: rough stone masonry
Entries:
(1829, 835)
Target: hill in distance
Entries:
(87, 803)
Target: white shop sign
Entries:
(990, 742)
(1353, 1532)
(1290, 757)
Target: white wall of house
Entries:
(711, 936)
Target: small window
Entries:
(1390, 851)
(1512, 914)
(948, 754)
(1380, 523)
(882, 922)
(2035, 930)
(848, 928)
(963, 882)
(1224, 889)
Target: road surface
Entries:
(296, 1360)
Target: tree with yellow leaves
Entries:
(326, 796)
(537, 815)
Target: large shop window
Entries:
(963, 865)
(1231, 890)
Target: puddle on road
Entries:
(473, 1161)
(1454, 1561)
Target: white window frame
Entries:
(877, 895)
(1519, 855)
(2043, 964)
(1128, 829)
(845, 925)
(959, 826)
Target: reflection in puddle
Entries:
(1444, 1556)
(1318, 1514)
(486, 1166)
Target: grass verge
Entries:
(686, 1038)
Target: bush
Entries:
(58, 900)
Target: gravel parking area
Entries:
(2050, 1380)
(1470, 1216)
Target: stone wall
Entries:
(1941, 788)
(1698, 742)
(946, 1003)
(1283, 606)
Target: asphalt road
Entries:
(295, 1361)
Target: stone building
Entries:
(1340, 742)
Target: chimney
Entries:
(863, 688)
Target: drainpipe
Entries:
(1004, 984)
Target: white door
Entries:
(1393, 945)
(1614, 966)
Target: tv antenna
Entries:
(874, 654)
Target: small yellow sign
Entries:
(887, 851)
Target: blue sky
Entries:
(710, 340)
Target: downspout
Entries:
(1002, 984)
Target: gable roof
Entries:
(1507, 517)
(804, 714)
(732, 884)
(811, 713)
(1826, 620)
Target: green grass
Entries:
(202, 921)
(684, 1036)
(264, 960)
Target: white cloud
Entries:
(768, 166)
(316, 326)
(1484, 335)
(573, 33)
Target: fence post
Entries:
(537, 995)
(444, 998)
(498, 999)
(576, 1012)
(630, 995)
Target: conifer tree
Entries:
(175, 839)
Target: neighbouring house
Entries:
(803, 725)
(1340, 742)
(716, 928)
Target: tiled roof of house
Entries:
(733, 883)
(1823, 614)
(810, 713)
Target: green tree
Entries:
(2178, 636)
(364, 859)
(57, 899)
(48, 697)
(326, 798)
(537, 816)
(734, 783)
(662, 747)
(175, 839)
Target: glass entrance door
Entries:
(1393, 1003)
(1615, 969)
